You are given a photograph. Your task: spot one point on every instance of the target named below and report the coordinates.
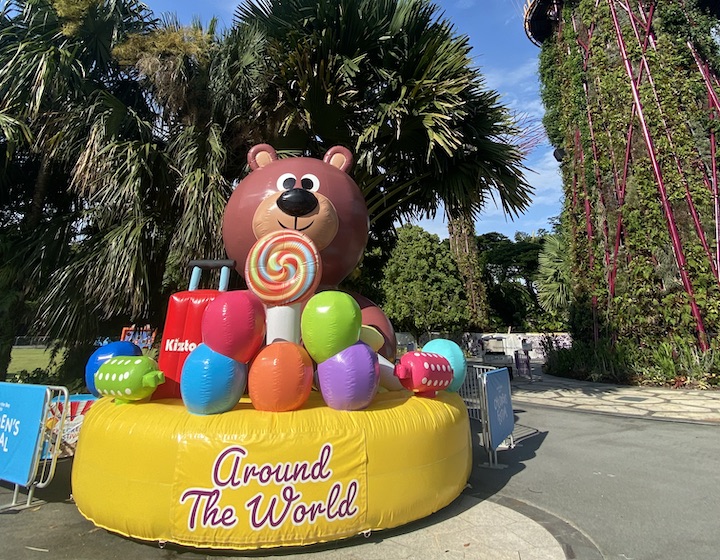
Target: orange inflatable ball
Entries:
(280, 377)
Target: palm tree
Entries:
(143, 125)
(55, 59)
(553, 279)
(394, 82)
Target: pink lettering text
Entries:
(206, 510)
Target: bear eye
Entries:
(286, 182)
(309, 182)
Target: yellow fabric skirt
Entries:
(248, 479)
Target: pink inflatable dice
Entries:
(424, 373)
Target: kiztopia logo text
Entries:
(177, 345)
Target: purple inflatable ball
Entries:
(102, 355)
(349, 380)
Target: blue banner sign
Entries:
(500, 416)
(22, 418)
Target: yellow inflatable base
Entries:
(248, 479)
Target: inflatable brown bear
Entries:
(315, 197)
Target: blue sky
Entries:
(506, 58)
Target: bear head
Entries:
(315, 197)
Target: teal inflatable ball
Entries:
(330, 322)
(453, 354)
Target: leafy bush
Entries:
(602, 361)
(675, 362)
(679, 363)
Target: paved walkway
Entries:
(498, 528)
(648, 402)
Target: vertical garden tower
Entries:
(632, 100)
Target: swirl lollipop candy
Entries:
(283, 269)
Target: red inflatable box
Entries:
(182, 332)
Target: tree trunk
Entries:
(463, 246)
(37, 206)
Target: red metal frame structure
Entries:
(629, 28)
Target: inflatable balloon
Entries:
(280, 377)
(374, 317)
(424, 373)
(330, 323)
(388, 379)
(102, 355)
(128, 378)
(349, 380)
(372, 337)
(233, 325)
(211, 383)
(453, 354)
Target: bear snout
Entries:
(297, 202)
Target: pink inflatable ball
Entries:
(233, 325)
(349, 380)
(281, 377)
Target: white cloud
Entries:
(545, 177)
(523, 77)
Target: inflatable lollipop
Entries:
(283, 269)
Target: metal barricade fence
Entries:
(496, 417)
(472, 391)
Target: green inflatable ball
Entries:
(330, 323)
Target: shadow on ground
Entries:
(485, 481)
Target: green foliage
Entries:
(423, 292)
(395, 82)
(678, 362)
(623, 245)
(121, 136)
(554, 278)
(509, 272)
(604, 361)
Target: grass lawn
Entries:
(29, 358)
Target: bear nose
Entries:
(297, 202)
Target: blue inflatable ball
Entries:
(211, 383)
(453, 354)
(102, 355)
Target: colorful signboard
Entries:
(22, 420)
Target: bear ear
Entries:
(340, 157)
(261, 155)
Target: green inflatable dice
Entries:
(128, 378)
(330, 322)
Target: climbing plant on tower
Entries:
(631, 92)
